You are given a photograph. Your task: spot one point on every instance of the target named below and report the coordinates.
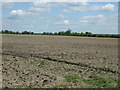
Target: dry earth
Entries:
(36, 61)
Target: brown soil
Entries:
(36, 61)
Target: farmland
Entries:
(40, 61)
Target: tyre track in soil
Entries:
(26, 55)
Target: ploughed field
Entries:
(38, 61)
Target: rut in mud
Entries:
(66, 62)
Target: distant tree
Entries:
(6, 31)
(88, 33)
(68, 32)
(93, 35)
(50, 33)
(25, 32)
(81, 33)
(17, 32)
(43, 33)
(55, 33)
(75, 34)
(32, 33)
(61, 33)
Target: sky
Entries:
(95, 17)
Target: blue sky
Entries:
(96, 17)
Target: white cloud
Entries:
(16, 14)
(108, 7)
(99, 23)
(80, 8)
(64, 22)
(47, 6)
(93, 19)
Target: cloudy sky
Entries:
(96, 17)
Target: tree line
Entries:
(65, 33)
(17, 32)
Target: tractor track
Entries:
(25, 55)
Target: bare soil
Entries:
(37, 61)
